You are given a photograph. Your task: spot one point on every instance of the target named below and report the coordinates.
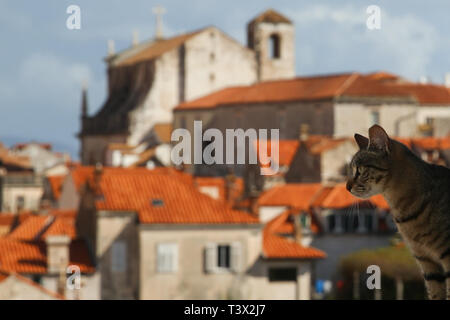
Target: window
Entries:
(119, 256)
(167, 257)
(157, 202)
(212, 77)
(274, 46)
(223, 257)
(305, 221)
(212, 57)
(374, 117)
(331, 221)
(282, 274)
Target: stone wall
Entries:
(113, 227)
(397, 120)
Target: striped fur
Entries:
(419, 196)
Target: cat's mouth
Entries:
(361, 192)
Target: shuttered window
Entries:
(221, 257)
(167, 257)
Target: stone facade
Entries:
(144, 92)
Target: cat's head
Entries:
(370, 166)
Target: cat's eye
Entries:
(365, 174)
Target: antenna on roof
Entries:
(159, 11)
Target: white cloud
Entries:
(340, 40)
(45, 73)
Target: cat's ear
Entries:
(362, 141)
(378, 138)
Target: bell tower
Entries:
(271, 36)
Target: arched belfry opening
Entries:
(274, 46)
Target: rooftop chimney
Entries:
(297, 228)
(447, 80)
(304, 132)
(57, 253)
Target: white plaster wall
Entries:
(351, 118)
(190, 281)
(267, 213)
(233, 63)
(262, 288)
(32, 197)
(90, 287)
(333, 160)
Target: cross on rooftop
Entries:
(159, 11)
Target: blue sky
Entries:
(43, 64)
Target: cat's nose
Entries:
(349, 185)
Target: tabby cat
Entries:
(418, 194)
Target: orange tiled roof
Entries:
(298, 89)
(327, 144)
(38, 227)
(276, 246)
(237, 187)
(294, 195)
(163, 131)
(6, 219)
(85, 174)
(339, 198)
(30, 228)
(157, 48)
(286, 151)
(56, 185)
(381, 85)
(29, 257)
(164, 197)
(432, 143)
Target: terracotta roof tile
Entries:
(294, 195)
(163, 131)
(38, 227)
(164, 197)
(276, 246)
(31, 227)
(236, 187)
(375, 85)
(339, 198)
(286, 151)
(298, 89)
(6, 219)
(156, 49)
(29, 257)
(56, 185)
